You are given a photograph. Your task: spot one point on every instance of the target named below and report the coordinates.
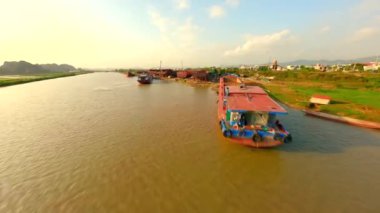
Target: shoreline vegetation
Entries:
(354, 94)
(10, 80)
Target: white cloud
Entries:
(233, 3)
(216, 11)
(365, 33)
(259, 42)
(175, 33)
(182, 4)
(377, 19)
(187, 33)
(162, 23)
(325, 29)
(179, 40)
(368, 6)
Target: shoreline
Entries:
(341, 108)
(342, 119)
(192, 82)
(282, 98)
(11, 80)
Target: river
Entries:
(102, 143)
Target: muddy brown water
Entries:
(102, 143)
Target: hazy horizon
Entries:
(118, 34)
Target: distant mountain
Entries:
(57, 67)
(331, 62)
(26, 68)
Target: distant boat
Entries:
(130, 74)
(347, 120)
(145, 78)
(247, 115)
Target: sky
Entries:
(197, 33)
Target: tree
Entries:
(263, 69)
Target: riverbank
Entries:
(193, 82)
(9, 80)
(354, 95)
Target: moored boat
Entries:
(145, 78)
(346, 120)
(248, 116)
(130, 74)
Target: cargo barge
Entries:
(248, 116)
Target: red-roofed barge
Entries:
(247, 115)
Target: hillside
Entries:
(26, 68)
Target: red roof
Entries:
(247, 89)
(252, 99)
(322, 97)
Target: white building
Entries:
(372, 66)
(320, 67)
(290, 67)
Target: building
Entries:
(246, 67)
(371, 66)
(291, 67)
(320, 99)
(320, 67)
(199, 74)
(183, 74)
(161, 73)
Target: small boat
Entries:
(346, 120)
(145, 78)
(247, 115)
(129, 74)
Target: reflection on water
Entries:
(100, 142)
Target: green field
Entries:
(355, 95)
(19, 79)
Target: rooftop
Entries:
(251, 98)
(246, 89)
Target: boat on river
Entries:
(130, 74)
(342, 119)
(248, 116)
(145, 78)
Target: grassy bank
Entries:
(14, 80)
(354, 95)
